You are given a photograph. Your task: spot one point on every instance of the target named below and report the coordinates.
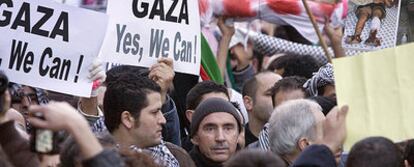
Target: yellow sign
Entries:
(379, 89)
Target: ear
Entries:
(127, 120)
(248, 103)
(189, 114)
(195, 140)
(303, 143)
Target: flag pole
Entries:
(316, 27)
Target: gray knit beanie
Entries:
(209, 106)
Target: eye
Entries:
(209, 128)
(228, 128)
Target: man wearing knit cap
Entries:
(215, 129)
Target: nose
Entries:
(220, 135)
(161, 119)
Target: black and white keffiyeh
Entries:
(160, 153)
(268, 45)
(264, 138)
(323, 77)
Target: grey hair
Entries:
(289, 122)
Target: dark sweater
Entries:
(201, 161)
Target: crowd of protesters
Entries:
(280, 112)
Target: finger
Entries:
(38, 122)
(100, 76)
(343, 112)
(94, 72)
(167, 61)
(96, 63)
(37, 108)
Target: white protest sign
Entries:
(49, 45)
(141, 31)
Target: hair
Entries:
(375, 152)
(287, 84)
(250, 86)
(303, 66)
(114, 73)
(290, 33)
(196, 93)
(409, 152)
(289, 122)
(127, 93)
(255, 158)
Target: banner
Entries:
(371, 25)
(141, 31)
(378, 87)
(48, 45)
(280, 12)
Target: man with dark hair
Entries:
(132, 109)
(258, 103)
(294, 65)
(215, 130)
(200, 92)
(374, 152)
(288, 88)
(322, 83)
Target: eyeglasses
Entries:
(21, 96)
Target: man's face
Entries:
(262, 103)
(286, 95)
(329, 91)
(147, 130)
(25, 97)
(217, 136)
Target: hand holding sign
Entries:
(163, 74)
(141, 32)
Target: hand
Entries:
(97, 75)
(163, 74)
(226, 30)
(334, 128)
(334, 34)
(62, 116)
(96, 71)
(57, 116)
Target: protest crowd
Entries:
(253, 104)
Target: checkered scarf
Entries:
(160, 153)
(264, 138)
(323, 77)
(268, 45)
